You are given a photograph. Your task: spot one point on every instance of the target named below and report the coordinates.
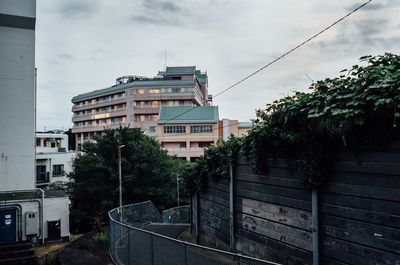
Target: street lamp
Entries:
(120, 179)
(177, 187)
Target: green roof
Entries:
(202, 77)
(188, 114)
(245, 125)
(180, 70)
(139, 83)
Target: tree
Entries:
(149, 173)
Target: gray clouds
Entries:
(78, 8)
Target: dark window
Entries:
(174, 129)
(182, 144)
(58, 170)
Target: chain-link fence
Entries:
(177, 215)
(130, 243)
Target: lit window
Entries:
(154, 91)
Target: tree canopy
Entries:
(148, 173)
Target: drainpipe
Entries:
(315, 243)
(42, 213)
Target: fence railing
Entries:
(176, 215)
(130, 243)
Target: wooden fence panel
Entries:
(359, 212)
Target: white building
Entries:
(53, 159)
(26, 213)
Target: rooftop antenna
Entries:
(158, 63)
(165, 59)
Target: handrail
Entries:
(180, 241)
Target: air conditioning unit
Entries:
(31, 223)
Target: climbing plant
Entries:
(357, 111)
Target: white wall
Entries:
(65, 158)
(57, 209)
(17, 120)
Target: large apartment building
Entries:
(136, 100)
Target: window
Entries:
(205, 144)
(182, 144)
(200, 129)
(174, 129)
(58, 170)
(154, 91)
(37, 142)
(41, 174)
(152, 129)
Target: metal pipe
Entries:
(231, 211)
(42, 212)
(315, 243)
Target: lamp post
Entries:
(120, 179)
(177, 187)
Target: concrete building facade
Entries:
(53, 159)
(26, 213)
(136, 100)
(17, 93)
(186, 131)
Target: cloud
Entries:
(163, 13)
(369, 6)
(79, 8)
(156, 20)
(66, 56)
(168, 6)
(375, 6)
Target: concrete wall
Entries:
(51, 159)
(57, 209)
(17, 98)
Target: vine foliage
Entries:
(357, 111)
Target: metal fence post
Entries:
(185, 254)
(151, 249)
(129, 250)
(231, 211)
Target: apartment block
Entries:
(186, 131)
(53, 159)
(136, 101)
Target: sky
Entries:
(84, 45)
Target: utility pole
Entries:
(177, 187)
(120, 179)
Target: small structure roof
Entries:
(188, 114)
(180, 70)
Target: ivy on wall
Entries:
(357, 111)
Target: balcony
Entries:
(146, 110)
(99, 115)
(99, 104)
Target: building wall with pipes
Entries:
(17, 94)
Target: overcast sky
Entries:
(83, 45)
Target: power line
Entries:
(279, 58)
